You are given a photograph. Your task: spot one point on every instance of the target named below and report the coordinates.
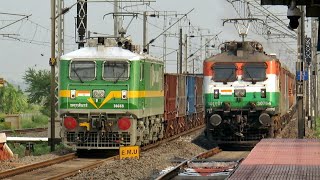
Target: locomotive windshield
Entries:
(254, 72)
(224, 73)
(82, 70)
(115, 71)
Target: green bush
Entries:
(4, 126)
(17, 149)
(2, 117)
(39, 149)
(318, 128)
(36, 121)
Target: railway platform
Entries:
(281, 159)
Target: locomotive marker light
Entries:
(293, 15)
(73, 94)
(124, 94)
(263, 93)
(216, 93)
(124, 123)
(70, 123)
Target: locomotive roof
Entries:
(246, 51)
(254, 57)
(103, 52)
(250, 57)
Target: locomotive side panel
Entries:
(282, 91)
(154, 102)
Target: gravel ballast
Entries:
(150, 163)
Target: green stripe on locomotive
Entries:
(144, 93)
(272, 100)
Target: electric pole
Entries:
(314, 38)
(164, 42)
(52, 63)
(308, 56)
(186, 53)
(299, 82)
(115, 19)
(145, 46)
(180, 51)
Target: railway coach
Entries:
(249, 95)
(112, 96)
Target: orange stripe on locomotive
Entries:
(273, 67)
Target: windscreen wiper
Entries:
(119, 76)
(74, 70)
(227, 79)
(252, 80)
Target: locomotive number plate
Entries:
(129, 152)
(118, 105)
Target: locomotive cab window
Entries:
(82, 70)
(115, 71)
(224, 72)
(254, 72)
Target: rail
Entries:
(76, 170)
(23, 131)
(213, 164)
(31, 167)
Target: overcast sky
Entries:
(33, 49)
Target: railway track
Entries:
(31, 167)
(70, 165)
(23, 131)
(213, 164)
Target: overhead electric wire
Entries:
(204, 45)
(279, 26)
(152, 40)
(139, 17)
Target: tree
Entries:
(38, 88)
(12, 100)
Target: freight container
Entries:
(191, 95)
(182, 95)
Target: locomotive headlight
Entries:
(124, 94)
(73, 94)
(263, 93)
(216, 93)
(239, 92)
(98, 93)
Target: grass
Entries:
(38, 149)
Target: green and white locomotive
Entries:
(110, 96)
(248, 94)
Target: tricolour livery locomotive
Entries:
(110, 96)
(248, 94)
